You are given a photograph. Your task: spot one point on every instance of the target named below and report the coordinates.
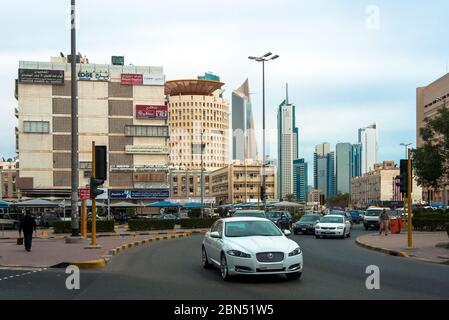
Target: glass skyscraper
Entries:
(324, 170)
(300, 180)
(243, 129)
(368, 140)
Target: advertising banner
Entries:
(151, 112)
(33, 76)
(144, 194)
(151, 79)
(147, 149)
(132, 79)
(94, 76)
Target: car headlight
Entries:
(340, 228)
(317, 226)
(236, 253)
(295, 252)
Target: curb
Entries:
(105, 259)
(383, 250)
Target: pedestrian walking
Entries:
(384, 222)
(28, 225)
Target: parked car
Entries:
(356, 216)
(49, 218)
(250, 213)
(251, 246)
(333, 226)
(9, 221)
(282, 219)
(371, 219)
(306, 224)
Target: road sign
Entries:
(84, 194)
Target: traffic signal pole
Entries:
(94, 201)
(84, 219)
(410, 203)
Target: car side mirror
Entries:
(215, 235)
(287, 233)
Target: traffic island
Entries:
(426, 245)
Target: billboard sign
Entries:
(132, 79)
(151, 112)
(94, 76)
(152, 79)
(34, 76)
(144, 194)
(147, 149)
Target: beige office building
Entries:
(8, 176)
(197, 112)
(121, 107)
(428, 100)
(378, 185)
(240, 182)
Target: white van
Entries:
(371, 218)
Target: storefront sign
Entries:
(33, 76)
(151, 79)
(147, 149)
(94, 76)
(147, 194)
(132, 79)
(151, 112)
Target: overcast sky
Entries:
(346, 69)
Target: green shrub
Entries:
(447, 229)
(430, 220)
(66, 226)
(150, 224)
(197, 223)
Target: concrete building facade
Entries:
(240, 182)
(8, 177)
(121, 107)
(428, 100)
(197, 112)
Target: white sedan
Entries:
(253, 246)
(333, 226)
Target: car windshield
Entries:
(274, 215)
(238, 229)
(309, 218)
(339, 213)
(331, 220)
(354, 213)
(255, 214)
(373, 212)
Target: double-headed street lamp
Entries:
(265, 58)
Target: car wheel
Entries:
(317, 236)
(293, 276)
(344, 234)
(224, 268)
(348, 235)
(366, 228)
(295, 232)
(205, 259)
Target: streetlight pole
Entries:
(441, 99)
(202, 176)
(406, 145)
(267, 57)
(74, 115)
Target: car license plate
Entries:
(303, 229)
(271, 267)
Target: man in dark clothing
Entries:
(28, 225)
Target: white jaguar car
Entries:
(252, 246)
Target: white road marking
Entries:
(20, 275)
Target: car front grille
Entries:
(327, 228)
(270, 257)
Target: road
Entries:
(333, 269)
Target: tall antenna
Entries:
(286, 93)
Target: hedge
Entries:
(430, 220)
(196, 223)
(150, 224)
(447, 229)
(66, 226)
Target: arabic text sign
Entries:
(154, 79)
(144, 194)
(95, 76)
(131, 79)
(34, 76)
(151, 112)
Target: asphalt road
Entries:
(333, 269)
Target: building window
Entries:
(146, 131)
(36, 127)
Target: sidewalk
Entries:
(424, 245)
(51, 252)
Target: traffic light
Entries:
(402, 182)
(94, 185)
(99, 175)
(262, 194)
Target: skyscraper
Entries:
(343, 167)
(323, 170)
(287, 146)
(300, 180)
(243, 129)
(357, 160)
(368, 140)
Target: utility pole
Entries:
(74, 96)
